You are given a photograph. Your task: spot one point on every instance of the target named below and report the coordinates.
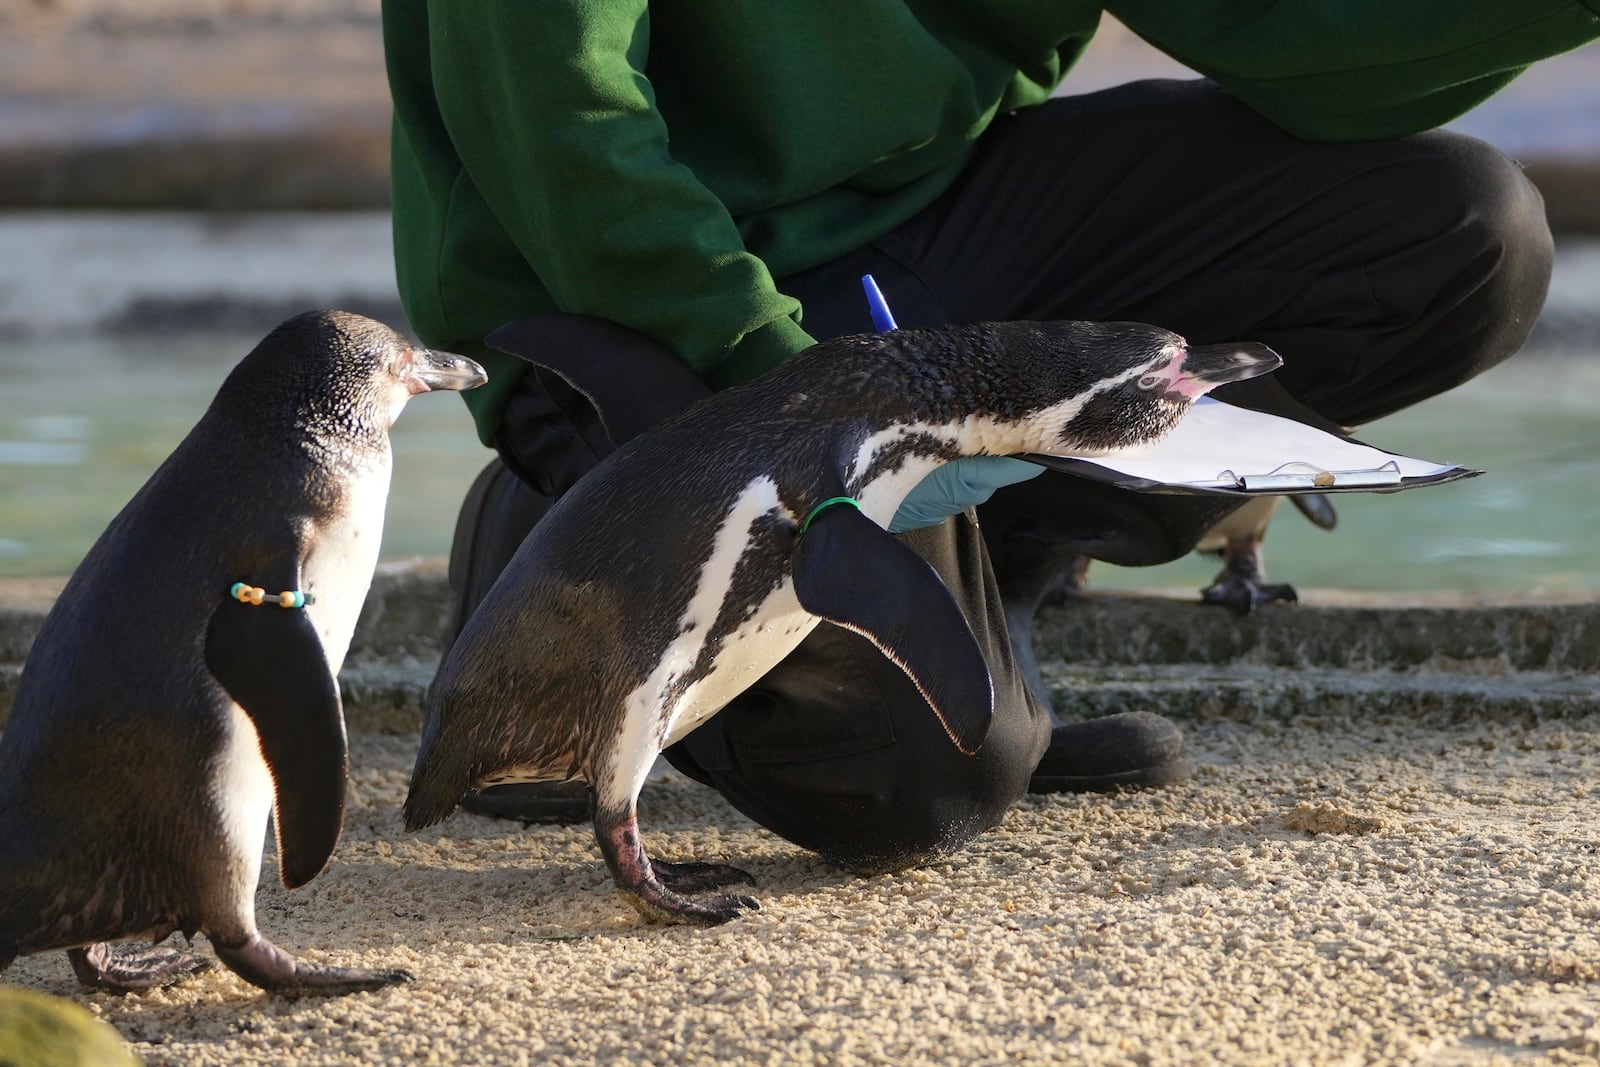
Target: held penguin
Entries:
(699, 554)
(182, 689)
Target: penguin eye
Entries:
(1154, 378)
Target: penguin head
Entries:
(1123, 384)
(1063, 387)
(341, 374)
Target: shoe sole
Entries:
(1138, 778)
(524, 808)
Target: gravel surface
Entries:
(1325, 891)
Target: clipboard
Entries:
(1231, 451)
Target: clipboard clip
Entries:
(1300, 475)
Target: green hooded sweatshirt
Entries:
(660, 164)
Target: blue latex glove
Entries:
(957, 485)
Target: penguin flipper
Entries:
(270, 661)
(632, 381)
(851, 572)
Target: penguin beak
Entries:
(431, 370)
(1204, 367)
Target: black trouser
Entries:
(1383, 273)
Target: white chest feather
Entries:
(768, 632)
(772, 631)
(242, 792)
(344, 551)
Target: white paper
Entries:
(1217, 445)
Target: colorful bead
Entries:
(254, 594)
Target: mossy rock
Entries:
(38, 1030)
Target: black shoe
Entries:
(1133, 748)
(496, 515)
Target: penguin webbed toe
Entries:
(1241, 585)
(658, 904)
(99, 966)
(266, 966)
(654, 887)
(696, 877)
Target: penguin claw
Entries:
(155, 967)
(1241, 585)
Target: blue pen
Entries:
(882, 317)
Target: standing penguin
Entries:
(702, 552)
(182, 689)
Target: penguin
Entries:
(182, 688)
(700, 553)
(1241, 585)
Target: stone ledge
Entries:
(1503, 657)
(1253, 693)
(1331, 628)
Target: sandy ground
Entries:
(1324, 891)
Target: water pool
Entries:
(97, 385)
(84, 421)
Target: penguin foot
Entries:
(696, 877)
(653, 887)
(658, 904)
(128, 971)
(261, 963)
(1241, 584)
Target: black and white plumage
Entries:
(676, 572)
(159, 721)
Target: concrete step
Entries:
(1247, 692)
(1332, 629)
(1472, 656)
(388, 696)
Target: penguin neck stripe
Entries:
(826, 504)
(254, 594)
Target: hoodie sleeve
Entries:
(1362, 69)
(556, 124)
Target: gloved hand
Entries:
(959, 484)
